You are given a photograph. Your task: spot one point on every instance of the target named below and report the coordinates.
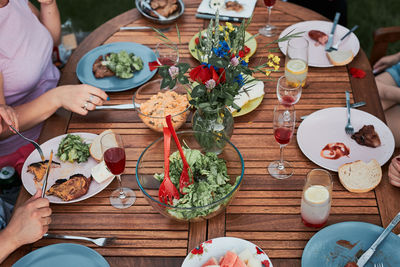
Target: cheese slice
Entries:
(100, 173)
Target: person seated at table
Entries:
(394, 171)
(27, 225)
(28, 78)
(388, 83)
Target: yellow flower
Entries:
(267, 72)
(276, 67)
(246, 59)
(221, 28)
(230, 26)
(270, 64)
(276, 59)
(270, 56)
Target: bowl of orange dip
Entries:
(154, 105)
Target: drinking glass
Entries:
(316, 198)
(113, 151)
(288, 94)
(167, 54)
(268, 30)
(283, 123)
(296, 61)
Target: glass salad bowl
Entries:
(217, 177)
(154, 104)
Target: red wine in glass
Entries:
(165, 61)
(269, 2)
(115, 160)
(288, 100)
(306, 223)
(282, 135)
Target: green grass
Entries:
(86, 15)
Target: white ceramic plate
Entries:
(217, 248)
(327, 126)
(248, 7)
(316, 54)
(65, 171)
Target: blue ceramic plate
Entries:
(340, 243)
(115, 84)
(63, 255)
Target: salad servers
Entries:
(184, 180)
(349, 129)
(368, 254)
(101, 242)
(36, 145)
(167, 191)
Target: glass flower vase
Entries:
(219, 122)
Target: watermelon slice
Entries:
(239, 263)
(229, 259)
(211, 262)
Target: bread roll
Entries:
(360, 177)
(340, 57)
(95, 147)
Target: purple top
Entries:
(25, 63)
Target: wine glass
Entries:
(268, 30)
(284, 122)
(167, 53)
(113, 151)
(288, 93)
(296, 61)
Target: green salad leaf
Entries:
(123, 64)
(73, 148)
(211, 183)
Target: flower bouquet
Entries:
(221, 76)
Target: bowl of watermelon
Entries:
(227, 251)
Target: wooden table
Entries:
(266, 211)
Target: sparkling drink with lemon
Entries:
(316, 198)
(296, 63)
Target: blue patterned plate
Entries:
(115, 84)
(340, 243)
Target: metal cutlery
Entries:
(367, 254)
(336, 46)
(222, 18)
(101, 242)
(349, 129)
(36, 145)
(122, 106)
(146, 5)
(143, 28)
(46, 176)
(355, 105)
(332, 33)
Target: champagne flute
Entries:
(114, 157)
(296, 61)
(288, 93)
(167, 54)
(268, 30)
(283, 123)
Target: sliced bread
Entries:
(340, 57)
(360, 177)
(95, 147)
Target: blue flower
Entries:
(244, 63)
(239, 80)
(222, 49)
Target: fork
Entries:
(36, 145)
(349, 128)
(378, 265)
(336, 46)
(101, 242)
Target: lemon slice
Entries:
(296, 66)
(316, 194)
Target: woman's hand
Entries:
(30, 221)
(386, 62)
(80, 98)
(8, 116)
(394, 171)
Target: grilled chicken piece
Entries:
(101, 71)
(164, 7)
(76, 186)
(367, 136)
(39, 169)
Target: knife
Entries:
(355, 105)
(330, 39)
(47, 174)
(367, 254)
(223, 18)
(123, 106)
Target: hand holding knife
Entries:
(46, 176)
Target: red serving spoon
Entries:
(167, 191)
(184, 180)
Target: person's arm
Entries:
(28, 224)
(386, 62)
(50, 18)
(394, 171)
(70, 97)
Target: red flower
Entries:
(153, 65)
(197, 40)
(241, 54)
(198, 250)
(357, 73)
(265, 263)
(202, 74)
(246, 50)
